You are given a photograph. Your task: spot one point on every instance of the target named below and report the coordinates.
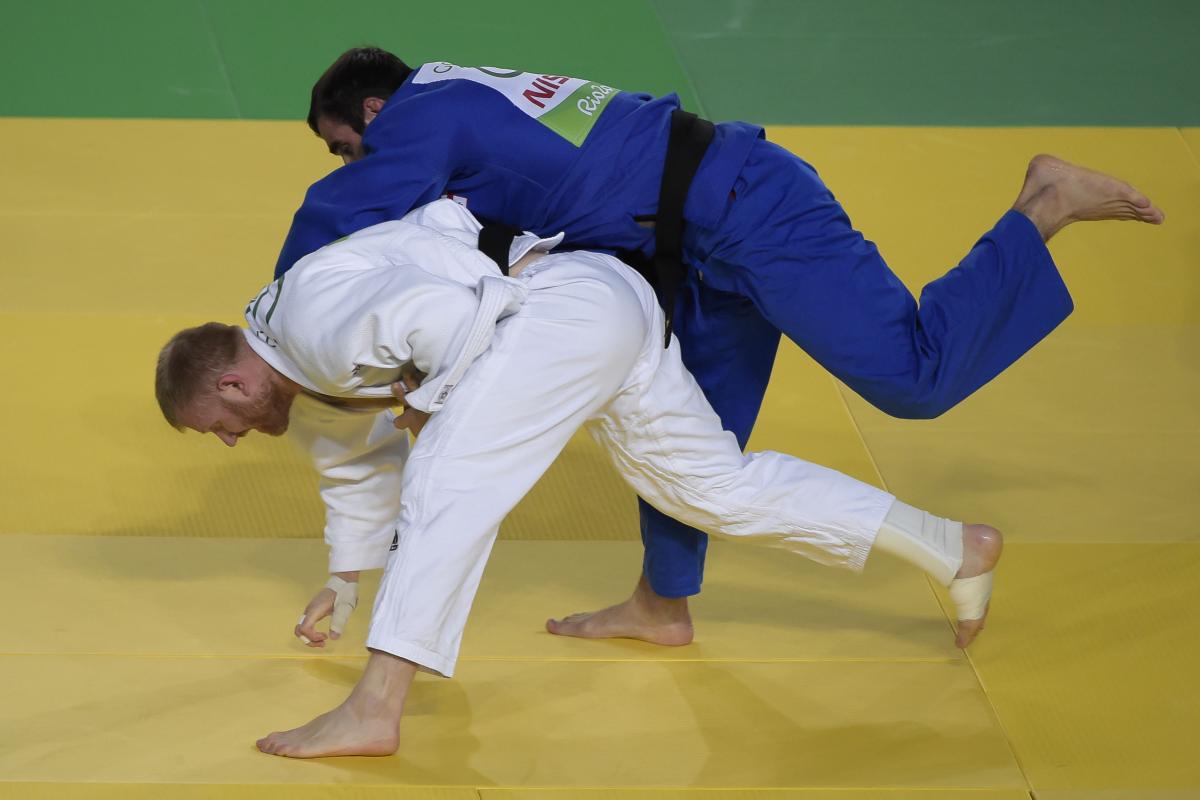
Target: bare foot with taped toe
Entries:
(971, 589)
(646, 616)
(1057, 193)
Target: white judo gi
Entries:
(515, 366)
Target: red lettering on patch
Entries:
(533, 97)
(546, 87)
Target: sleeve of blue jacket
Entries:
(381, 187)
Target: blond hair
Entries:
(190, 363)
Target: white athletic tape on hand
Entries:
(971, 595)
(344, 603)
(303, 638)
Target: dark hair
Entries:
(358, 73)
(192, 360)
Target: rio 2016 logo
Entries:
(590, 102)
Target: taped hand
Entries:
(338, 598)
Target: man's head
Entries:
(349, 95)
(210, 380)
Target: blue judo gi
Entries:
(768, 248)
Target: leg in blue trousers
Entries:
(732, 371)
(786, 244)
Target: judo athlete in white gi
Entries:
(515, 366)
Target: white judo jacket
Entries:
(344, 321)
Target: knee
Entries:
(922, 410)
(912, 404)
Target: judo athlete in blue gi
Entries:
(766, 247)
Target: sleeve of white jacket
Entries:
(360, 458)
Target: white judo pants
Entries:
(586, 350)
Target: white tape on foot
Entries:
(932, 543)
(971, 596)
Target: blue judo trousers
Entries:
(768, 247)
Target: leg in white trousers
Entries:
(669, 445)
(586, 348)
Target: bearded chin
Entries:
(276, 425)
(270, 411)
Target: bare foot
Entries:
(366, 724)
(1057, 193)
(645, 615)
(982, 545)
(341, 732)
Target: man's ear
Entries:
(232, 386)
(371, 108)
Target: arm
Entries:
(359, 456)
(339, 596)
(409, 314)
(371, 311)
(405, 170)
(375, 308)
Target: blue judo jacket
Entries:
(544, 153)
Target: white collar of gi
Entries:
(525, 243)
(268, 349)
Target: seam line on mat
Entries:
(701, 110)
(195, 656)
(216, 46)
(1188, 147)
(936, 599)
(673, 789)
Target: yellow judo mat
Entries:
(153, 578)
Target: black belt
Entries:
(495, 240)
(689, 139)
